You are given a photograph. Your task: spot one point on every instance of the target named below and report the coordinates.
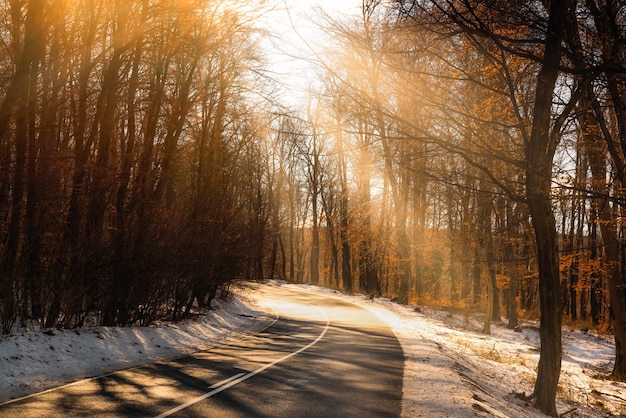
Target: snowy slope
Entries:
(451, 369)
(32, 361)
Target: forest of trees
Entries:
(454, 152)
(130, 181)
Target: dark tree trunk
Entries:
(315, 250)
(539, 155)
(346, 256)
(607, 19)
(596, 150)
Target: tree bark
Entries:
(606, 17)
(540, 152)
(596, 151)
(346, 256)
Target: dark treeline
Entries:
(128, 187)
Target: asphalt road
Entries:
(321, 357)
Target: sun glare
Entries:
(297, 38)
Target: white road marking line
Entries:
(235, 381)
(223, 382)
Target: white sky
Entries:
(291, 21)
(342, 6)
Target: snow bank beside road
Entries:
(32, 361)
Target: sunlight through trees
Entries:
(467, 154)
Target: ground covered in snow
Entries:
(451, 368)
(35, 360)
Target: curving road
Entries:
(321, 357)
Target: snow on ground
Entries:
(32, 361)
(451, 368)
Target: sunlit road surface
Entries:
(321, 357)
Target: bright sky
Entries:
(343, 6)
(295, 20)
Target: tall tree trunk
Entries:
(283, 258)
(607, 19)
(511, 263)
(18, 105)
(596, 150)
(401, 204)
(39, 140)
(102, 179)
(368, 276)
(540, 152)
(328, 204)
(15, 106)
(346, 256)
(485, 253)
(315, 244)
